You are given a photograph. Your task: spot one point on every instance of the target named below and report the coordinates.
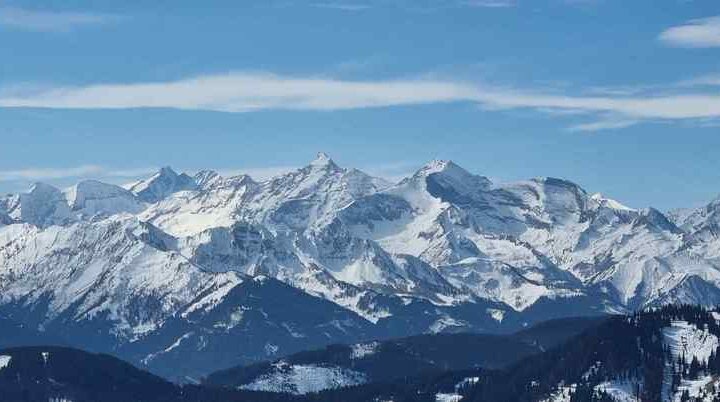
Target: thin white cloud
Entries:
(698, 82)
(47, 21)
(412, 5)
(582, 2)
(342, 6)
(489, 3)
(84, 171)
(243, 92)
(246, 92)
(258, 173)
(680, 106)
(711, 80)
(697, 33)
(48, 173)
(128, 172)
(603, 125)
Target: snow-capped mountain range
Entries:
(233, 270)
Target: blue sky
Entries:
(621, 97)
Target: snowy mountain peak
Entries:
(443, 178)
(560, 183)
(437, 166)
(610, 203)
(43, 205)
(91, 198)
(713, 207)
(162, 184)
(323, 161)
(39, 188)
(91, 188)
(698, 220)
(166, 171)
(450, 170)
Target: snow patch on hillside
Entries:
(455, 396)
(448, 397)
(168, 349)
(497, 314)
(695, 388)
(445, 322)
(214, 297)
(4, 361)
(685, 339)
(561, 394)
(361, 350)
(620, 391)
(610, 203)
(302, 379)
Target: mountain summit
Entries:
(323, 161)
(162, 184)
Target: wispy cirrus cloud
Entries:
(248, 91)
(342, 6)
(83, 171)
(258, 173)
(48, 173)
(710, 80)
(243, 92)
(489, 3)
(697, 33)
(50, 21)
(414, 5)
(603, 125)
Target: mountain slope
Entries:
(655, 355)
(14, 334)
(391, 360)
(112, 286)
(163, 263)
(377, 361)
(53, 373)
(46, 373)
(669, 354)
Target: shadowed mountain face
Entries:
(13, 333)
(177, 268)
(45, 373)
